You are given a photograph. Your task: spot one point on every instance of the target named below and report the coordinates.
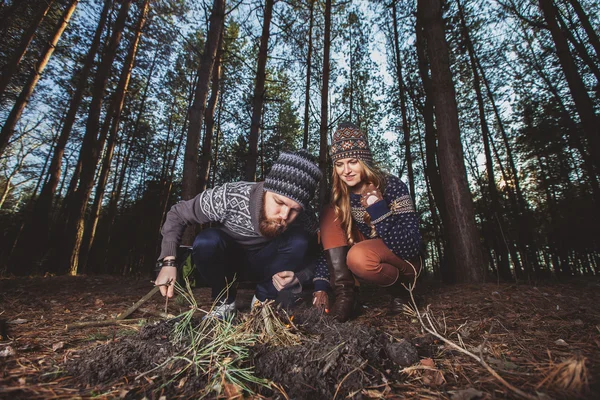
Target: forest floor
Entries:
(544, 340)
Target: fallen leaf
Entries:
(67, 311)
(468, 394)
(432, 376)
(18, 321)
(58, 346)
(372, 394)
(99, 303)
(123, 393)
(22, 381)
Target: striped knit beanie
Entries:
(295, 176)
(350, 142)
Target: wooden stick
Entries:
(87, 324)
(137, 305)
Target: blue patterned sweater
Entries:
(393, 220)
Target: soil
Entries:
(543, 339)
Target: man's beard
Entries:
(270, 228)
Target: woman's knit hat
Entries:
(350, 142)
(295, 176)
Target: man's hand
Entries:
(284, 280)
(166, 277)
(321, 300)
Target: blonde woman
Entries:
(369, 231)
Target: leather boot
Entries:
(342, 282)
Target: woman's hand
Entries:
(370, 195)
(321, 300)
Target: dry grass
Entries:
(273, 327)
(570, 376)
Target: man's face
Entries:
(278, 211)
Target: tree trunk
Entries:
(217, 136)
(259, 94)
(113, 117)
(11, 66)
(209, 117)
(463, 235)
(431, 151)
(402, 94)
(37, 227)
(90, 151)
(324, 129)
(196, 113)
(587, 26)
(308, 75)
(11, 122)
(583, 103)
(496, 211)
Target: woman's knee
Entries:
(363, 261)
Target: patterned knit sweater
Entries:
(235, 206)
(393, 219)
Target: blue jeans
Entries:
(219, 258)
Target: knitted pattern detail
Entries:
(229, 204)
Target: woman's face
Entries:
(350, 172)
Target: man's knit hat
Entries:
(350, 142)
(295, 176)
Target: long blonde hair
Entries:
(340, 196)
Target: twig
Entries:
(103, 323)
(141, 301)
(432, 330)
(347, 375)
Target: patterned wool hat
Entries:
(350, 142)
(295, 176)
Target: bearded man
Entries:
(263, 231)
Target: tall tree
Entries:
(402, 95)
(259, 93)
(11, 66)
(308, 74)
(583, 103)
(196, 112)
(463, 235)
(324, 129)
(209, 118)
(111, 124)
(11, 122)
(495, 213)
(90, 150)
(36, 227)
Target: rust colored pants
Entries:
(369, 259)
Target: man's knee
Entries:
(297, 241)
(209, 240)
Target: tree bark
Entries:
(402, 94)
(11, 122)
(496, 211)
(37, 227)
(583, 103)
(324, 129)
(587, 26)
(113, 117)
(196, 113)
(463, 235)
(12, 65)
(259, 93)
(308, 75)
(90, 151)
(206, 158)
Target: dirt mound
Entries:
(333, 358)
